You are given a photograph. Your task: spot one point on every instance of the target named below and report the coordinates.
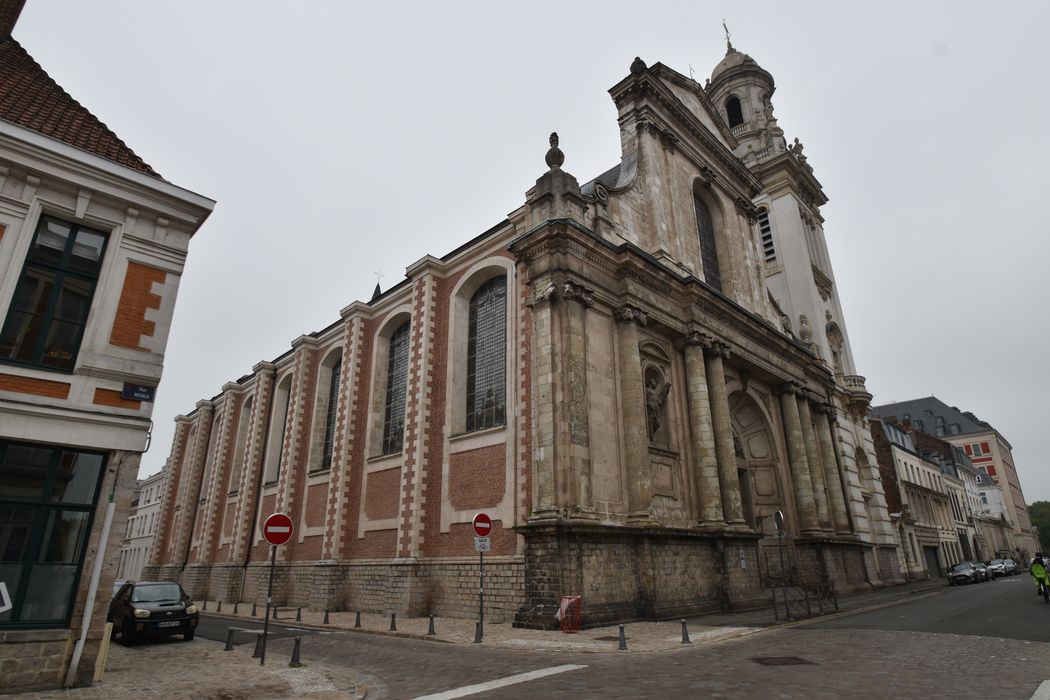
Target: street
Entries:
(989, 638)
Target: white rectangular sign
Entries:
(482, 544)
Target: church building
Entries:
(631, 377)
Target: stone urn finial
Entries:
(554, 156)
(805, 333)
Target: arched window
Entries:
(330, 415)
(275, 445)
(487, 356)
(708, 252)
(733, 112)
(396, 390)
(242, 444)
(767, 236)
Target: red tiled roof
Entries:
(32, 100)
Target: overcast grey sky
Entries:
(346, 138)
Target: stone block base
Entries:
(625, 574)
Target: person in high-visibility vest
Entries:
(1038, 570)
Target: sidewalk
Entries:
(202, 670)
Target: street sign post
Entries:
(276, 530)
(482, 525)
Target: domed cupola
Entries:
(741, 90)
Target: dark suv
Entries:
(144, 608)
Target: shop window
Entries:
(48, 497)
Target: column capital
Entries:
(717, 348)
(543, 292)
(631, 314)
(571, 291)
(693, 339)
(792, 387)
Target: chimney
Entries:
(9, 11)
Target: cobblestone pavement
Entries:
(717, 663)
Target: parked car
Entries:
(116, 585)
(141, 609)
(997, 567)
(961, 573)
(983, 574)
(1012, 567)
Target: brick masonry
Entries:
(130, 322)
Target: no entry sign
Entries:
(482, 524)
(277, 529)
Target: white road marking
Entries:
(1042, 692)
(500, 683)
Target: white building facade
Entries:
(142, 524)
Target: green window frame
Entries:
(49, 310)
(48, 497)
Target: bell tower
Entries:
(741, 91)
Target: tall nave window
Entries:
(708, 253)
(487, 356)
(396, 390)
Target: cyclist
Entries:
(1038, 570)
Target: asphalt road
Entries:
(1006, 607)
(989, 638)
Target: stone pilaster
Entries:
(804, 503)
(544, 508)
(635, 432)
(728, 479)
(576, 301)
(701, 433)
(192, 481)
(836, 495)
(336, 520)
(251, 474)
(816, 469)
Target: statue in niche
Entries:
(805, 333)
(656, 390)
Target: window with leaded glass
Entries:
(487, 356)
(329, 421)
(50, 306)
(396, 390)
(48, 497)
(708, 252)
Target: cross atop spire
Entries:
(729, 44)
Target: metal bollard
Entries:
(477, 631)
(685, 634)
(431, 631)
(623, 640)
(393, 622)
(357, 619)
(275, 612)
(294, 663)
(229, 639)
(205, 606)
(218, 608)
(253, 609)
(236, 604)
(325, 617)
(299, 614)
(258, 646)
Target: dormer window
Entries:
(734, 114)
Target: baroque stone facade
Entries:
(611, 373)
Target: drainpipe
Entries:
(96, 573)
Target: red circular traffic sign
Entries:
(277, 529)
(482, 525)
